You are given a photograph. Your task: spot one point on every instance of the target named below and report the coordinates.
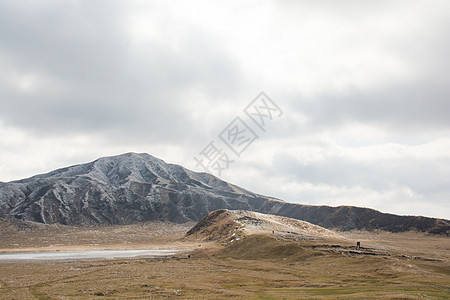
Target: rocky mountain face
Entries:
(133, 187)
(122, 189)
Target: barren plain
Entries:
(261, 264)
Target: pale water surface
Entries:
(83, 255)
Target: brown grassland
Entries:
(260, 266)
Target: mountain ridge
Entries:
(126, 188)
(135, 187)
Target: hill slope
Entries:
(230, 225)
(133, 187)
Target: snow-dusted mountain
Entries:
(133, 187)
(121, 189)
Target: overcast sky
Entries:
(363, 87)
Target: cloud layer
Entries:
(364, 87)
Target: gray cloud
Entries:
(425, 176)
(97, 80)
(405, 107)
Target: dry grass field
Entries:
(259, 266)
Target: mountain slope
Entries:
(122, 189)
(133, 187)
(351, 217)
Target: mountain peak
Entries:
(124, 188)
(131, 155)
